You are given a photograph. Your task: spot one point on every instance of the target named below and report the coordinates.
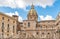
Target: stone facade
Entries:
(7, 26)
(30, 28)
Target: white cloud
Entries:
(16, 13)
(47, 17)
(24, 3)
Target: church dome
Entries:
(32, 15)
(32, 11)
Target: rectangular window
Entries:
(2, 27)
(8, 20)
(40, 26)
(28, 24)
(13, 21)
(37, 33)
(2, 18)
(13, 29)
(36, 25)
(8, 28)
(7, 34)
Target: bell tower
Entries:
(32, 15)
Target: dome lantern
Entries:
(32, 6)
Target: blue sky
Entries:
(46, 9)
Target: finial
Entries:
(32, 6)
